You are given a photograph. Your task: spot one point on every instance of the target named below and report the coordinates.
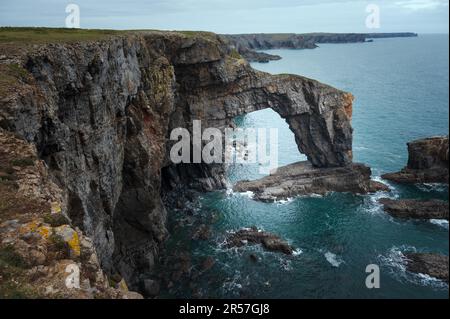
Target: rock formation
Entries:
(434, 265)
(427, 163)
(416, 209)
(99, 113)
(253, 236)
(302, 179)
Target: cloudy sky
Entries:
(233, 16)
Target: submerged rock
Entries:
(151, 287)
(253, 236)
(427, 162)
(302, 179)
(434, 265)
(410, 208)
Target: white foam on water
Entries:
(249, 194)
(373, 206)
(297, 252)
(395, 259)
(333, 259)
(440, 222)
(396, 262)
(284, 201)
(286, 265)
(432, 187)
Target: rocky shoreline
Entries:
(248, 44)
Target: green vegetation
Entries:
(49, 35)
(8, 257)
(13, 284)
(59, 246)
(199, 34)
(55, 220)
(10, 76)
(235, 54)
(23, 162)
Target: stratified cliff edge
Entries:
(99, 114)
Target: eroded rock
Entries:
(427, 162)
(416, 209)
(434, 265)
(302, 179)
(253, 236)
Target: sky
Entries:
(234, 16)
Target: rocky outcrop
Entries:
(303, 179)
(246, 44)
(100, 112)
(416, 209)
(253, 236)
(427, 162)
(433, 265)
(39, 248)
(261, 57)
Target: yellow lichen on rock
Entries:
(44, 231)
(56, 208)
(70, 236)
(28, 227)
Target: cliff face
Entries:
(100, 112)
(427, 162)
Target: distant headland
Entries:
(248, 44)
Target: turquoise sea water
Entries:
(401, 90)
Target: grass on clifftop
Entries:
(48, 35)
(29, 35)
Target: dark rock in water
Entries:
(409, 208)
(253, 236)
(434, 265)
(203, 232)
(208, 263)
(254, 258)
(302, 178)
(151, 288)
(428, 162)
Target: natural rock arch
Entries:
(318, 115)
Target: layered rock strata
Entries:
(302, 179)
(427, 162)
(416, 209)
(434, 265)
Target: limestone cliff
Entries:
(427, 162)
(99, 113)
